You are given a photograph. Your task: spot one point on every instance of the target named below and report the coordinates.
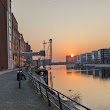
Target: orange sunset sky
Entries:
(76, 26)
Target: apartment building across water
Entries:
(101, 56)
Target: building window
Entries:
(9, 16)
(9, 45)
(10, 53)
(9, 37)
(9, 30)
(9, 9)
(9, 23)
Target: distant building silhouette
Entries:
(101, 56)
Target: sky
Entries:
(75, 26)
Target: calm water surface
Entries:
(93, 85)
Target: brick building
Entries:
(16, 36)
(9, 35)
(15, 41)
(9, 38)
(22, 49)
(3, 35)
(6, 61)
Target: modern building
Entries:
(95, 57)
(101, 56)
(104, 56)
(69, 59)
(88, 58)
(83, 58)
(74, 59)
(78, 59)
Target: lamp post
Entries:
(19, 63)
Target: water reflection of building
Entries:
(103, 73)
(95, 72)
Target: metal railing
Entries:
(54, 97)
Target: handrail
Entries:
(47, 88)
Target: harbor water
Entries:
(92, 85)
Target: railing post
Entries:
(40, 89)
(36, 86)
(59, 101)
(33, 80)
(34, 83)
(49, 104)
(29, 76)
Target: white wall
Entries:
(9, 36)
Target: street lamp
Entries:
(19, 63)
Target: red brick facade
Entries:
(15, 44)
(3, 35)
(9, 37)
(15, 37)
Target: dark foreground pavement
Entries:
(13, 98)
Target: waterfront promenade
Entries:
(13, 98)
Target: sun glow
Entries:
(72, 55)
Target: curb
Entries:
(7, 71)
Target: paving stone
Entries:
(13, 98)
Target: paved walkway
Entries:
(7, 71)
(13, 98)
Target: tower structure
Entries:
(44, 43)
(50, 42)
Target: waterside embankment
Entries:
(13, 98)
